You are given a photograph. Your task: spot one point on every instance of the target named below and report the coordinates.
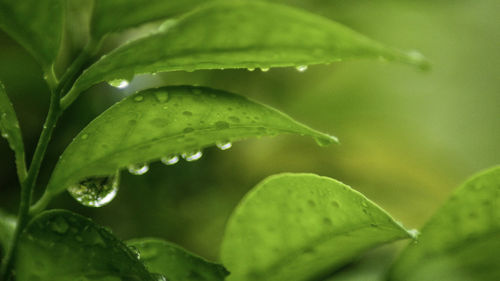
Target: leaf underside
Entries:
(239, 34)
(59, 246)
(462, 240)
(175, 263)
(167, 121)
(301, 226)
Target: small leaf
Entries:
(7, 227)
(462, 240)
(111, 16)
(36, 25)
(59, 245)
(167, 121)
(175, 263)
(239, 34)
(9, 129)
(301, 226)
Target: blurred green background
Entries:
(408, 138)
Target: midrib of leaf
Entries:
(291, 256)
(179, 135)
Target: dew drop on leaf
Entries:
(192, 156)
(95, 191)
(138, 169)
(119, 83)
(170, 160)
(250, 69)
(414, 233)
(160, 277)
(301, 68)
(223, 145)
(264, 69)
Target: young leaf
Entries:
(9, 129)
(175, 263)
(462, 240)
(59, 245)
(7, 226)
(36, 25)
(300, 226)
(110, 16)
(238, 34)
(167, 121)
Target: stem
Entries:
(28, 184)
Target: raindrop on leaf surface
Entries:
(192, 156)
(119, 83)
(301, 68)
(223, 145)
(138, 169)
(170, 160)
(95, 191)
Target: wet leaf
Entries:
(462, 240)
(300, 227)
(175, 263)
(59, 245)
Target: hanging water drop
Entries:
(251, 69)
(223, 145)
(119, 83)
(138, 169)
(95, 191)
(170, 160)
(264, 69)
(192, 156)
(301, 68)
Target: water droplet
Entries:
(161, 96)
(5, 135)
(192, 156)
(136, 252)
(414, 233)
(264, 69)
(138, 98)
(251, 68)
(223, 145)
(119, 83)
(95, 191)
(301, 68)
(170, 160)
(138, 169)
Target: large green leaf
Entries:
(59, 246)
(7, 227)
(165, 121)
(36, 25)
(301, 226)
(9, 128)
(175, 263)
(461, 242)
(239, 34)
(115, 15)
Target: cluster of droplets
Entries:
(300, 68)
(95, 191)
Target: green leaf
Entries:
(115, 15)
(462, 240)
(175, 263)
(9, 129)
(301, 226)
(59, 245)
(167, 121)
(7, 227)
(36, 25)
(239, 34)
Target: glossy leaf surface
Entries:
(36, 25)
(115, 15)
(175, 263)
(462, 240)
(239, 34)
(59, 246)
(7, 226)
(9, 129)
(167, 121)
(301, 226)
